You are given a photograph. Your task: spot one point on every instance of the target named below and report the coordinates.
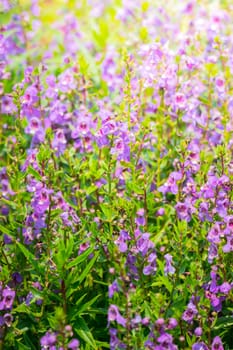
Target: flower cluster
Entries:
(116, 170)
(7, 297)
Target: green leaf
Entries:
(22, 308)
(80, 299)
(108, 212)
(162, 280)
(224, 322)
(25, 252)
(84, 332)
(34, 172)
(21, 346)
(189, 340)
(211, 68)
(102, 344)
(29, 256)
(88, 268)
(80, 258)
(91, 189)
(5, 230)
(8, 202)
(87, 305)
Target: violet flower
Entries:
(200, 346)
(114, 315)
(183, 211)
(8, 319)
(169, 269)
(198, 331)
(113, 288)
(228, 247)
(140, 218)
(48, 340)
(190, 313)
(8, 296)
(74, 344)
(217, 344)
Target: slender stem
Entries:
(63, 292)
(5, 257)
(145, 208)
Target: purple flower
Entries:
(17, 278)
(37, 285)
(145, 321)
(83, 127)
(149, 269)
(199, 346)
(180, 100)
(172, 323)
(207, 191)
(67, 81)
(131, 264)
(136, 321)
(190, 63)
(113, 288)
(5, 210)
(8, 296)
(144, 244)
(115, 343)
(8, 107)
(30, 96)
(59, 142)
(165, 338)
(171, 184)
(216, 302)
(160, 323)
(49, 339)
(2, 321)
(8, 319)
(222, 205)
(83, 247)
(41, 201)
(190, 313)
(121, 149)
(228, 247)
(109, 127)
(34, 126)
(73, 344)
(217, 344)
(28, 235)
(204, 212)
(214, 234)
(166, 341)
(220, 84)
(7, 239)
(160, 212)
(213, 288)
(140, 219)
(169, 269)
(114, 315)
(229, 222)
(121, 241)
(5, 188)
(225, 288)
(212, 252)
(183, 211)
(198, 331)
(29, 298)
(31, 160)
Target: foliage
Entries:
(116, 175)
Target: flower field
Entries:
(116, 175)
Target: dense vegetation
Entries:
(116, 175)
